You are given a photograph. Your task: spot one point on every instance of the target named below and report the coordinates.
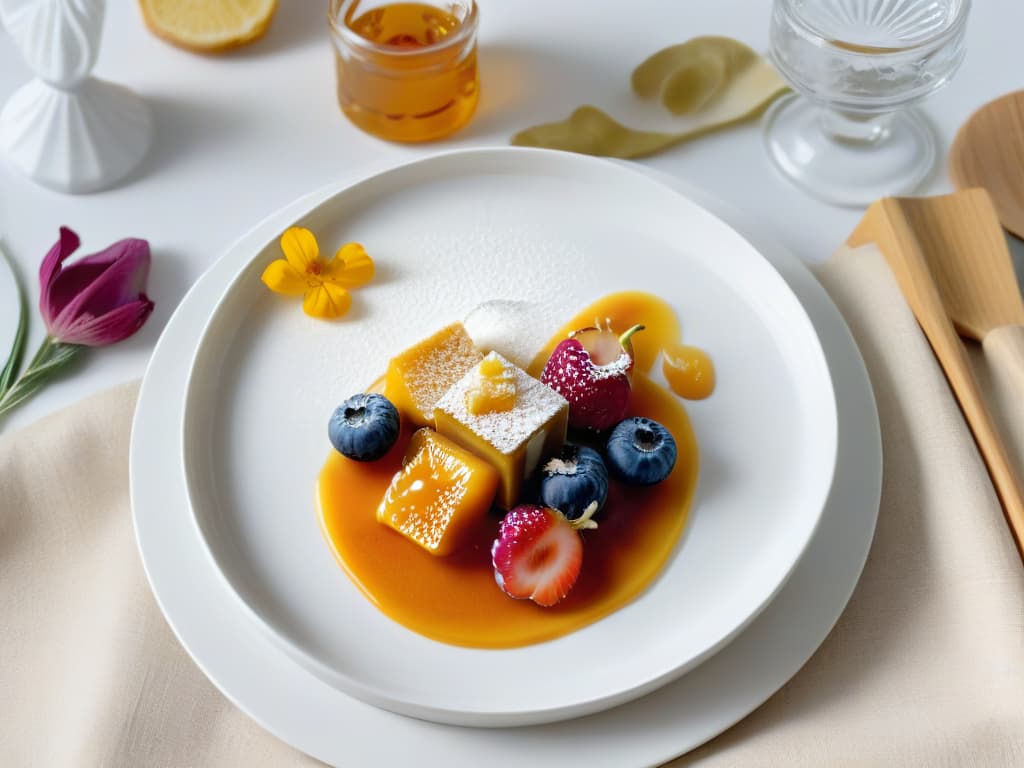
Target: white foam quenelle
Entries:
(66, 129)
(514, 329)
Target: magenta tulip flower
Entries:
(95, 301)
(99, 299)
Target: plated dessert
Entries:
(765, 440)
(493, 492)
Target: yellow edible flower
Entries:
(322, 282)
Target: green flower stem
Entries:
(51, 358)
(10, 369)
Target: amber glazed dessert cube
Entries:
(439, 494)
(513, 440)
(495, 387)
(418, 377)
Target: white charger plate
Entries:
(304, 711)
(447, 233)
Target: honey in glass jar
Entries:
(406, 71)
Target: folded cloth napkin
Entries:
(926, 666)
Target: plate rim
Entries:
(574, 706)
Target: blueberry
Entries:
(641, 451)
(574, 480)
(364, 427)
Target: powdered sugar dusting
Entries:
(430, 367)
(517, 330)
(536, 404)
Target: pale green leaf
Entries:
(715, 82)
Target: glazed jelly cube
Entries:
(418, 377)
(494, 388)
(513, 440)
(439, 494)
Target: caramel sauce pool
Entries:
(454, 599)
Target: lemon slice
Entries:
(208, 25)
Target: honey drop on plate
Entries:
(689, 371)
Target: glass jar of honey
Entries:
(406, 71)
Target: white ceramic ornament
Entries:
(65, 129)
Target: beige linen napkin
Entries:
(90, 674)
(926, 666)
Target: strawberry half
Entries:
(538, 553)
(592, 369)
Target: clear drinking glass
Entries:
(847, 136)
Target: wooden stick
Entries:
(888, 224)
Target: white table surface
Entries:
(241, 135)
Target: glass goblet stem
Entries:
(854, 127)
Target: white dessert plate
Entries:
(447, 233)
(312, 715)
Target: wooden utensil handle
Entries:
(888, 223)
(1004, 352)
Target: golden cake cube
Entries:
(513, 440)
(439, 495)
(418, 377)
